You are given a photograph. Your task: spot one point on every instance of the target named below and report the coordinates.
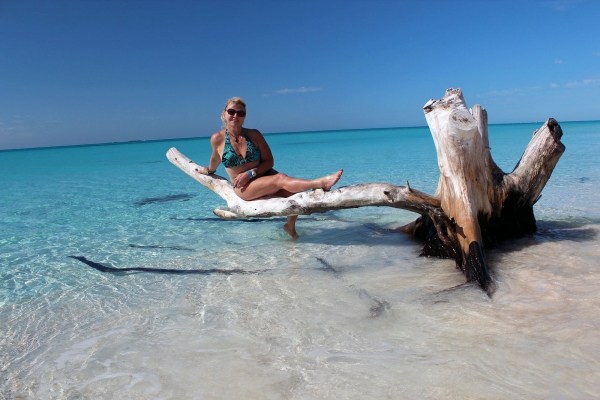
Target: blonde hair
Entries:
(233, 100)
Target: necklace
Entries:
(236, 138)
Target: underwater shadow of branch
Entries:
(104, 268)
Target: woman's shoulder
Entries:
(218, 137)
(253, 133)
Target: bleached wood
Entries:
(537, 163)
(316, 201)
(480, 115)
(464, 178)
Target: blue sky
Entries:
(78, 72)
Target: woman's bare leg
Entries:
(271, 184)
(290, 226)
(282, 185)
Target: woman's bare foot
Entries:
(328, 181)
(290, 226)
(291, 230)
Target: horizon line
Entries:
(267, 133)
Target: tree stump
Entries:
(476, 205)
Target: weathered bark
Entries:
(475, 205)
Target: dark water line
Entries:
(164, 199)
(327, 266)
(104, 268)
(376, 310)
(153, 246)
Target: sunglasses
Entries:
(240, 113)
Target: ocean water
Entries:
(348, 310)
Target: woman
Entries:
(249, 163)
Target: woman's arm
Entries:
(215, 158)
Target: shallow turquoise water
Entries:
(347, 310)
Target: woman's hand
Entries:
(241, 180)
(202, 170)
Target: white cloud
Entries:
(597, 53)
(584, 82)
(505, 92)
(299, 90)
(513, 91)
(557, 61)
(522, 90)
(561, 5)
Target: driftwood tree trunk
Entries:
(484, 204)
(475, 205)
